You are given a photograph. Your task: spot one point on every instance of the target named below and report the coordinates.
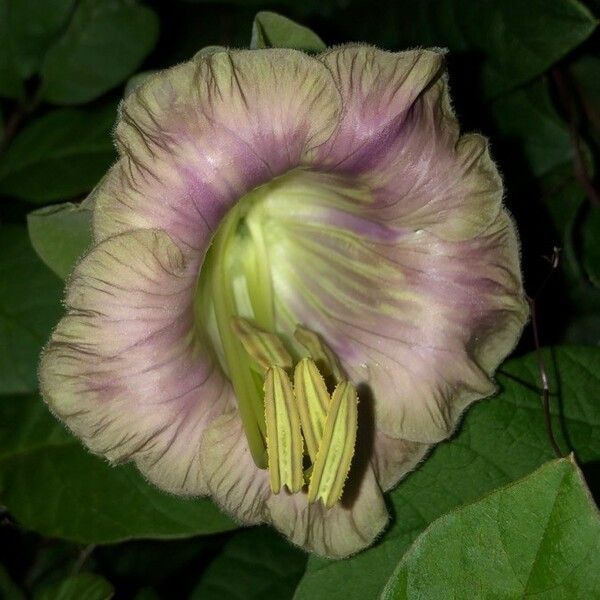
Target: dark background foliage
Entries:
(526, 74)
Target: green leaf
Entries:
(104, 44)
(33, 26)
(537, 537)
(528, 118)
(52, 485)
(60, 156)
(266, 566)
(271, 30)
(502, 438)
(591, 245)
(516, 40)
(61, 234)
(11, 83)
(8, 588)
(83, 586)
(29, 308)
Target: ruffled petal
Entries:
(236, 484)
(196, 138)
(122, 368)
(394, 458)
(242, 490)
(398, 136)
(422, 321)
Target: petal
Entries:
(242, 490)
(122, 369)
(236, 484)
(422, 321)
(337, 532)
(394, 458)
(195, 138)
(399, 137)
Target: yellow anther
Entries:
(320, 353)
(284, 438)
(332, 465)
(313, 401)
(266, 349)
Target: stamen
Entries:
(322, 355)
(313, 402)
(284, 438)
(266, 349)
(336, 449)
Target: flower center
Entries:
(298, 412)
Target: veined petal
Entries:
(196, 138)
(399, 136)
(242, 490)
(122, 369)
(422, 321)
(394, 458)
(337, 532)
(235, 483)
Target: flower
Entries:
(302, 274)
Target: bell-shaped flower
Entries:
(302, 274)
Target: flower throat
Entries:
(298, 411)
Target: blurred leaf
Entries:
(104, 44)
(515, 41)
(59, 156)
(271, 30)
(8, 589)
(528, 119)
(265, 564)
(591, 245)
(11, 84)
(307, 7)
(61, 234)
(501, 439)
(33, 26)
(83, 586)
(52, 485)
(585, 72)
(537, 537)
(29, 308)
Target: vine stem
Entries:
(554, 262)
(23, 109)
(579, 165)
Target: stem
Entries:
(23, 109)
(554, 261)
(579, 164)
(82, 558)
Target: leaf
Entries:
(528, 117)
(11, 84)
(33, 26)
(104, 44)
(271, 30)
(515, 41)
(8, 588)
(591, 245)
(538, 537)
(61, 234)
(51, 485)
(60, 156)
(83, 586)
(265, 565)
(29, 308)
(502, 438)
